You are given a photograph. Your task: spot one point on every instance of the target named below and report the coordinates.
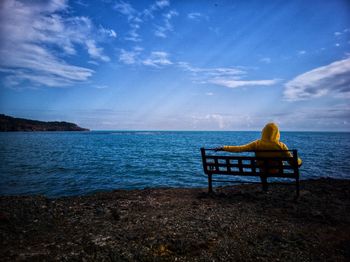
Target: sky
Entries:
(177, 65)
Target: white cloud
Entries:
(53, 77)
(108, 32)
(37, 36)
(330, 79)
(134, 18)
(35, 64)
(215, 121)
(170, 14)
(217, 118)
(157, 59)
(161, 31)
(162, 3)
(129, 57)
(112, 33)
(301, 52)
(338, 33)
(81, 3)
(135, 57)
(101, 86)
(266, 60)
(92, 62)
(211, 72)
(240, 83)
(194, 16)
(96, 52)
(133, 35)
(331, 117)
(158, 5)
(125, 9)
(230, 77)
(138, 48)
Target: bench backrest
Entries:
(238, 164)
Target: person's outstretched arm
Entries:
(247, 147)
(289, 154)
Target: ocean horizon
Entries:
(58, 164)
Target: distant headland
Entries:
(8, 123)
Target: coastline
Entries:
(14, 124)
(176, 224)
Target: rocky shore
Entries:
(238, 223)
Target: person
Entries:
(270, 140)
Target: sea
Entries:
(56, 164)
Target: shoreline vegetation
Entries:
(237, 223)
(10, 124)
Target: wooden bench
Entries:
(237, 164)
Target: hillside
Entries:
(8, 123)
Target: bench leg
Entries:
(264, 183)
(210, 186)
(297, 186)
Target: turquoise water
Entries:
(76, 163)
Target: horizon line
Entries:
(187, 130)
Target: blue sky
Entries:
(177, 65)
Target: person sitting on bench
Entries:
(270, 137)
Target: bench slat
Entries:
(249, 166)
(225, 158)
(237, 173)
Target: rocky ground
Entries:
(237, 223)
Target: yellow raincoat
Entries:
(270, 137)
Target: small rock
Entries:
(115, 214)
(4, 218)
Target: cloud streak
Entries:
(163, 30)
(137, 18)
(129, 57)
(332, 79)
(96, 52)
(126, 9)
(37, 37)
(196, 16)
(240, 83)
(157, 59)
(134, 18)
(212, 72)
(158, 5)
(230, 77)
(215, 121)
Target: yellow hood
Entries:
(270, 133)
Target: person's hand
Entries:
(218, 149)
(300, 162)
